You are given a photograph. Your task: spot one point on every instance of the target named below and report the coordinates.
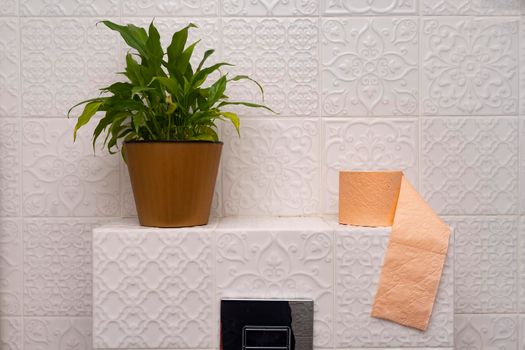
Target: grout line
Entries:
(518, 240)
(21, 185)
(334, 287)
(419, 100)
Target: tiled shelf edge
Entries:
(160, 288)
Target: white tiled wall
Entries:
(429, 86)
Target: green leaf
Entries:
(134, 71)
(120, 89)
(104, 123)
(178, 42)
(181, 64)
(171, 85)
(89, 110)
(138, 120)
(245, 77)
(136, 90)
(247, 104)
(216, 91)
(200, 76)
(234, 119)
(134, 36)
(207, 54)
(154, 47)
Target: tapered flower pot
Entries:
(173, 181)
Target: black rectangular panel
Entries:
(266, 324)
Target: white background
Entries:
(429, 86)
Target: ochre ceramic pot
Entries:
(173, 181)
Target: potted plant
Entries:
(166, 116)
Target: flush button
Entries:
(269, 324)
(260, 337)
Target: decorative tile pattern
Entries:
(57, 333)
(470, 165)
(485, 254)
(76, 8)
(10, 167)
(289, 263)
(64, 61)
(359, 256)
(369, 7)
(365, 144)
(62, 178)
(279, 53)
(479, 332)
(8, 7)
(470, 7)
(169, 8)
(11, 270)
(270, 8)
(9, 65)
(11, 333)
(272, 168)
(370, 66)
(153, 288)
(57, 267)
(470, 66)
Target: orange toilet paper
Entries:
(417, 248)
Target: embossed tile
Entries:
(485, 264)
(57, 333)
(366, 144)
(57, 266)
(64, 61)
(153, 288)
(279, 53)
(359, 256)
(75, 8)
(270, 8)
(521, 267)
(272, 168)
(486, 332)
(289, 263)
(470, 165)
(370, 66)
(10, 167)
(372, 7)
(62, 178)
(11, 270)
(9, 66)
(470, 66)
(470, 7)
(169, 8)
(11, 333)
(8, 7)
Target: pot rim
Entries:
(176, 141)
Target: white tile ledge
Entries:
(159, 288)
(245, 223)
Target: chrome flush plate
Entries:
(267, 324)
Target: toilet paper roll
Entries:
(417, 248)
